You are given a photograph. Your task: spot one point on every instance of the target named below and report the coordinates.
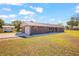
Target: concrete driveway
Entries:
(7, 35)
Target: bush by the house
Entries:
(1, 31)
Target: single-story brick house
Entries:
(7, 28)
(37, 28)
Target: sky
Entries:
(53, 13)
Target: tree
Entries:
(74, 21)
(66, 27)
(71, 23)
(1, 23)
(17, 23)
(77, 21)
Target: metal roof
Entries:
(8, 26)
(28, 23)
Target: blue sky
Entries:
(38, 12)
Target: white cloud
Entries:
(77, 8)
(13, 19)
(3, 16)
(60, 21)
(18, 4)
(31, 20)
(27, 15)
(6, 9)
(52, 20)
(77, 11)
(14, 2)
(39, 1)
(31, 7)
(12, 16)
(8, 16)
(25, 12)
(37, 9)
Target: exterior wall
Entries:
(23, 29)
(51, 29)
(39, 30)
(29, 30)
(61, 30)
(26, 30)
(7, 29)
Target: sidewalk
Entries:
(7, 35)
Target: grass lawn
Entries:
(63, 44)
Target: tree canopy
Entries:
(1, 23)
(74, 21)
(16, 23)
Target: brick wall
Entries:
(39, 29)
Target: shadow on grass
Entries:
(34, 35)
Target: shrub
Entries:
(1, 30)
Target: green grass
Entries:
(66, 44)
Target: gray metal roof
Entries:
(5, 26)
(28, 23)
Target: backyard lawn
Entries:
(61, 44)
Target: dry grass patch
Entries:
(52, 44)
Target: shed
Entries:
(8, 28)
